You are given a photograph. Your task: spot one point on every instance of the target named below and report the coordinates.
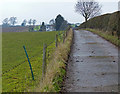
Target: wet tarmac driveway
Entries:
(93, 64)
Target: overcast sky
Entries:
(45, 10)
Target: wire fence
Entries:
(58, 38)
(19, 77)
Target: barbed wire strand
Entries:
(26, 60)
(31, 56)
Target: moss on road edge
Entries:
(113, 39)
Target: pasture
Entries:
(16, 74)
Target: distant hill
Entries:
(15, 29)
(106, 22)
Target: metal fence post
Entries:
(66, 34)
(44, 61)
(63, 37)
(29, 63)
(56, 40)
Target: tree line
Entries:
(59, 23)
(13, 20)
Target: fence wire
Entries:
(59, 34)
(26, 59)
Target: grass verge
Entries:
(55, 73)
(107, 36)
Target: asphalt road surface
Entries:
(93, 64)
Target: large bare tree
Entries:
(88, 8)
(30, 22)
(13, 20)
(34, 21)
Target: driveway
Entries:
(93, 64)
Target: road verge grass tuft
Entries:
(55, 73)
(107, 36)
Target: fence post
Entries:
(63, 37)
(60, 37)
(44, 61)
(56, 40)
(29, 62)
(66, 34)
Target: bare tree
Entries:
(30, 21)
(5, 21)
(88, 8)
(13, 20)
(52, 22)
(43, 27)
(34, 22)
(24, 22)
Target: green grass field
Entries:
(19, 79)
